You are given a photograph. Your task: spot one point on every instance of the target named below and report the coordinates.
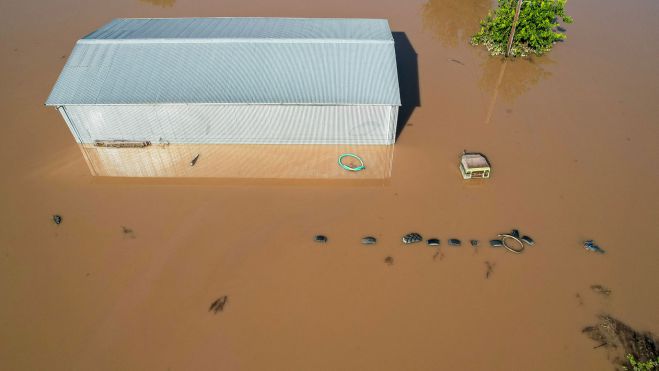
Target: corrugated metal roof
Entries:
(232, 61)
(244, 28)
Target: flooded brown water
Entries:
(234, 161)
(127, 278)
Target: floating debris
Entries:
(474, 165)
(513, 235)
(369, 240)
(590, 246)
(412, 238)
(474, 243)
(528, 240)
(601, 290)
(218, 305)
(621, 341)
(127, 232)
(505, 237)
(389, 260)
(433, 242)
(352, 166)
(57, 219)
(194, 160)
(490, 269)
(320, 238)
(456, 61)
(496, 243)
(454, 242)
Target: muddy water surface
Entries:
(127, 278)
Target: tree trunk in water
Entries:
(512, 30)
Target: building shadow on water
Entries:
(408, 79)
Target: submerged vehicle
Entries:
(474, 165)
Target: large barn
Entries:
(232, 80)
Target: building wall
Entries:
(244, 124)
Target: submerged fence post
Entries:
(512, 30)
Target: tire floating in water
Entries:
(433, 242)
(320, 238)
(369, 240)
(412, 238)
(57, 219)
(528, 240)
(496, 243)
(454, 242)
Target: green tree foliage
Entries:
(536, 30)
(650, 365)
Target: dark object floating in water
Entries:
(433, 242)
(515, 233)
(369, 240)
(194, 160)
(320, 238)
(412, 238)
(496, 243)
(474, 243)
(456, 61)
(57, 219)
(528, 240)
(454, 242)
(389, 260)
(218, 305)
(601, 290)
(590, 246)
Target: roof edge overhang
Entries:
(53, 104)
(223, 41)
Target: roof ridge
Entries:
(179, 40)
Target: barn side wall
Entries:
(243, 124)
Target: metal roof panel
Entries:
(232, 61)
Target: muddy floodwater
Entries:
(224, 274)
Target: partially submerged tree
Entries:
(535, 31)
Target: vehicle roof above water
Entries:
(472, 161)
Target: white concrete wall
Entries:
(244, 124)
